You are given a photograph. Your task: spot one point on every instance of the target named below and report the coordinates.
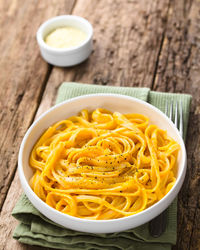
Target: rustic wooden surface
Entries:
(155, 44)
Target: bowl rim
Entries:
(175, 189)
(50, 21)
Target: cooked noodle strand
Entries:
(103, 165)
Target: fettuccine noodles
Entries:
(103, 165)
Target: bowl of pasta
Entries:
(102, 163)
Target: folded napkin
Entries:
(36, 229)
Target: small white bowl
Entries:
(113, 102)
(65, 56)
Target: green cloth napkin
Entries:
(35, 229)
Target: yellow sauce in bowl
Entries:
(65, 37)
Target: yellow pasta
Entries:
(103, 165)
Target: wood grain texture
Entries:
(178, 71)
(136, 43)
(23, 76)
(127, 40)
(8, 223)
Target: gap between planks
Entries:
(38, 102)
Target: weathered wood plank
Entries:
(178, 71)
(195, 239)
(8, 223)
(173, 75)
(23, 75)
(127, 39)
(128, 35)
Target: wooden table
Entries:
(144, 43)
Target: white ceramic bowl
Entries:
(65, 56)
(123, 104)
